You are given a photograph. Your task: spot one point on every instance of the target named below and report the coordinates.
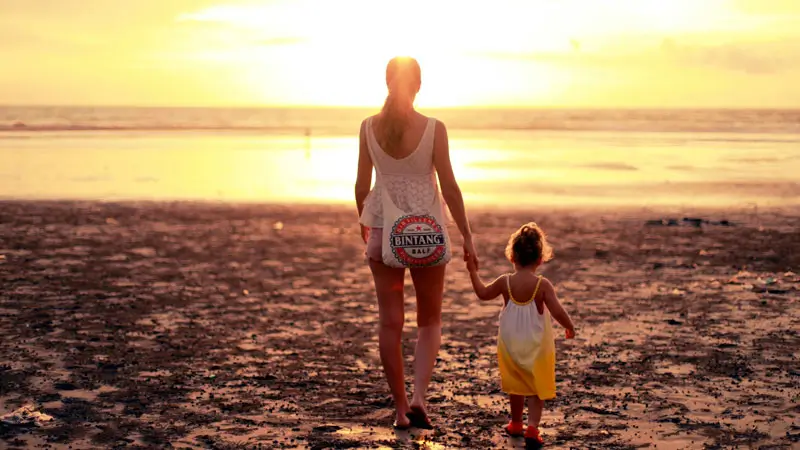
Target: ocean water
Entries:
(507, 158)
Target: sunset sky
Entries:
(570, 53)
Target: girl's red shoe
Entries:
(532, 433)
(515, 429)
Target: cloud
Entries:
(754, 58)
(768, 7)
(574, 58)
(282, 40)
(99, 11)
(610, 166)
(64, 25)
(17, 38)
(23, 37)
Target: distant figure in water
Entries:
(414, 149)
(525, 344)
(308, 142)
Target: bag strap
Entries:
(430, 129)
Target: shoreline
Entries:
(788, 208)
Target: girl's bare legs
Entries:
(517, 405)
(389, 289)
(429, 286)
(535, 406)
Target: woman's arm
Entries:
(364, 176)
(556, 310)
(447, 180)
(450, 190)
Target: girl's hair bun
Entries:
(528, 245)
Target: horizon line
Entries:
(435, 108)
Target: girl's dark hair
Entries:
(403, 78)
(528, 245)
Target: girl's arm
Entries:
(555, 308)
(484, 292)
(364, 177)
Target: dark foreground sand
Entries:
(203, 326)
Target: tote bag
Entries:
(414, 240)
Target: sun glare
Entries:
(494, 54)
(342, 61)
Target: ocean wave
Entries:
(347, 121)
(347, 131)
(56, 127)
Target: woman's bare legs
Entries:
(389, 289)
(429, 286)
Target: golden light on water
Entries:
(501, 168)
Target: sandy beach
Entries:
(179, 325)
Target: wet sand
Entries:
(221, 326)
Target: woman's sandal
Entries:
(419, 419)
(401, 427)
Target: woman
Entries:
(410, 150)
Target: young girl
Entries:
(525, 344)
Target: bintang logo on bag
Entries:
(418, 240)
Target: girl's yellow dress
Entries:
(526, 348)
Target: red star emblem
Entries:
(419, 228)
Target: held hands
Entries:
(470, 255)
(471, 267)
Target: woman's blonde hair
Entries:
(403, 78)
